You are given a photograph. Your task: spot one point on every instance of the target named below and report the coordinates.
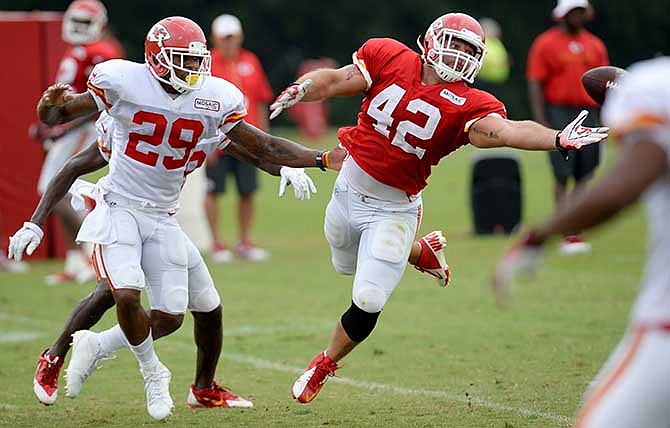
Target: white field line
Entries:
(373, 386)
(19, 336)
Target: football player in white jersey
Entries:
(633, 387)
(168, 115)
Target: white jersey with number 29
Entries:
(157, 138)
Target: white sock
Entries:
(145, 354)
(112, 340)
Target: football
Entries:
(597, 81)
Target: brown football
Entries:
(597, 81)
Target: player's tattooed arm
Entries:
(59, 105)
(270, 149)
(84, 162)
(493, 131)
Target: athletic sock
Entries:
(112, 340)
(145, 354)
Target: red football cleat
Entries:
(45, 383)
(309, 384)
(431, 260)
(216, 396)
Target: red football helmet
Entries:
(169, 43)
(84, 22)
(453, 64)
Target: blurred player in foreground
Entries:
(168, 115)
(417, 109)
(633, 387)
(89, 43)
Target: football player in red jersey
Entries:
(417, 109)
(84, 29)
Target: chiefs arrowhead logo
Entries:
(157, 33)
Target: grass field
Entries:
(438, 358)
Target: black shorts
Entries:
(581, 163)
(246, 176)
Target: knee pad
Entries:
(357, 323)
(205, 300)
(369, 299)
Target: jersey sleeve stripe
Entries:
(363, 69)
(235, 116)
(99, 93)
(640, 122)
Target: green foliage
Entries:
(454, 358)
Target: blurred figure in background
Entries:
(556, 62)
(312, 118)
(243, 69)
(89, 43)
(495, 71)
(633, 387)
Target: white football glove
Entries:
(289, 97)
(523, 257)
(303, 186)
(575, 136)
(25, 239)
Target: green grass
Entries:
(453, 357)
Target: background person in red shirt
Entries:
(89, 43)
(242, 68)
(556, 62)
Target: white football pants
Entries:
(151, 251)
(633, 387)
(372, 239)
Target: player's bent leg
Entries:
(93, 348)
(430, 258)
(208, 335)
(86, 314)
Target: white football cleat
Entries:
(157, 390)
(432, 260)
(86, 357)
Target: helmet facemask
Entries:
(449, 63)
(174, 60)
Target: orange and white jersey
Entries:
(639, 110)
(157, 138)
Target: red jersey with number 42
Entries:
(405, 127)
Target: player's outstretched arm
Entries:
(28, 237)
(319, 85)
(59, 105)
(271, 149)
(492, 131)
(639, 166)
